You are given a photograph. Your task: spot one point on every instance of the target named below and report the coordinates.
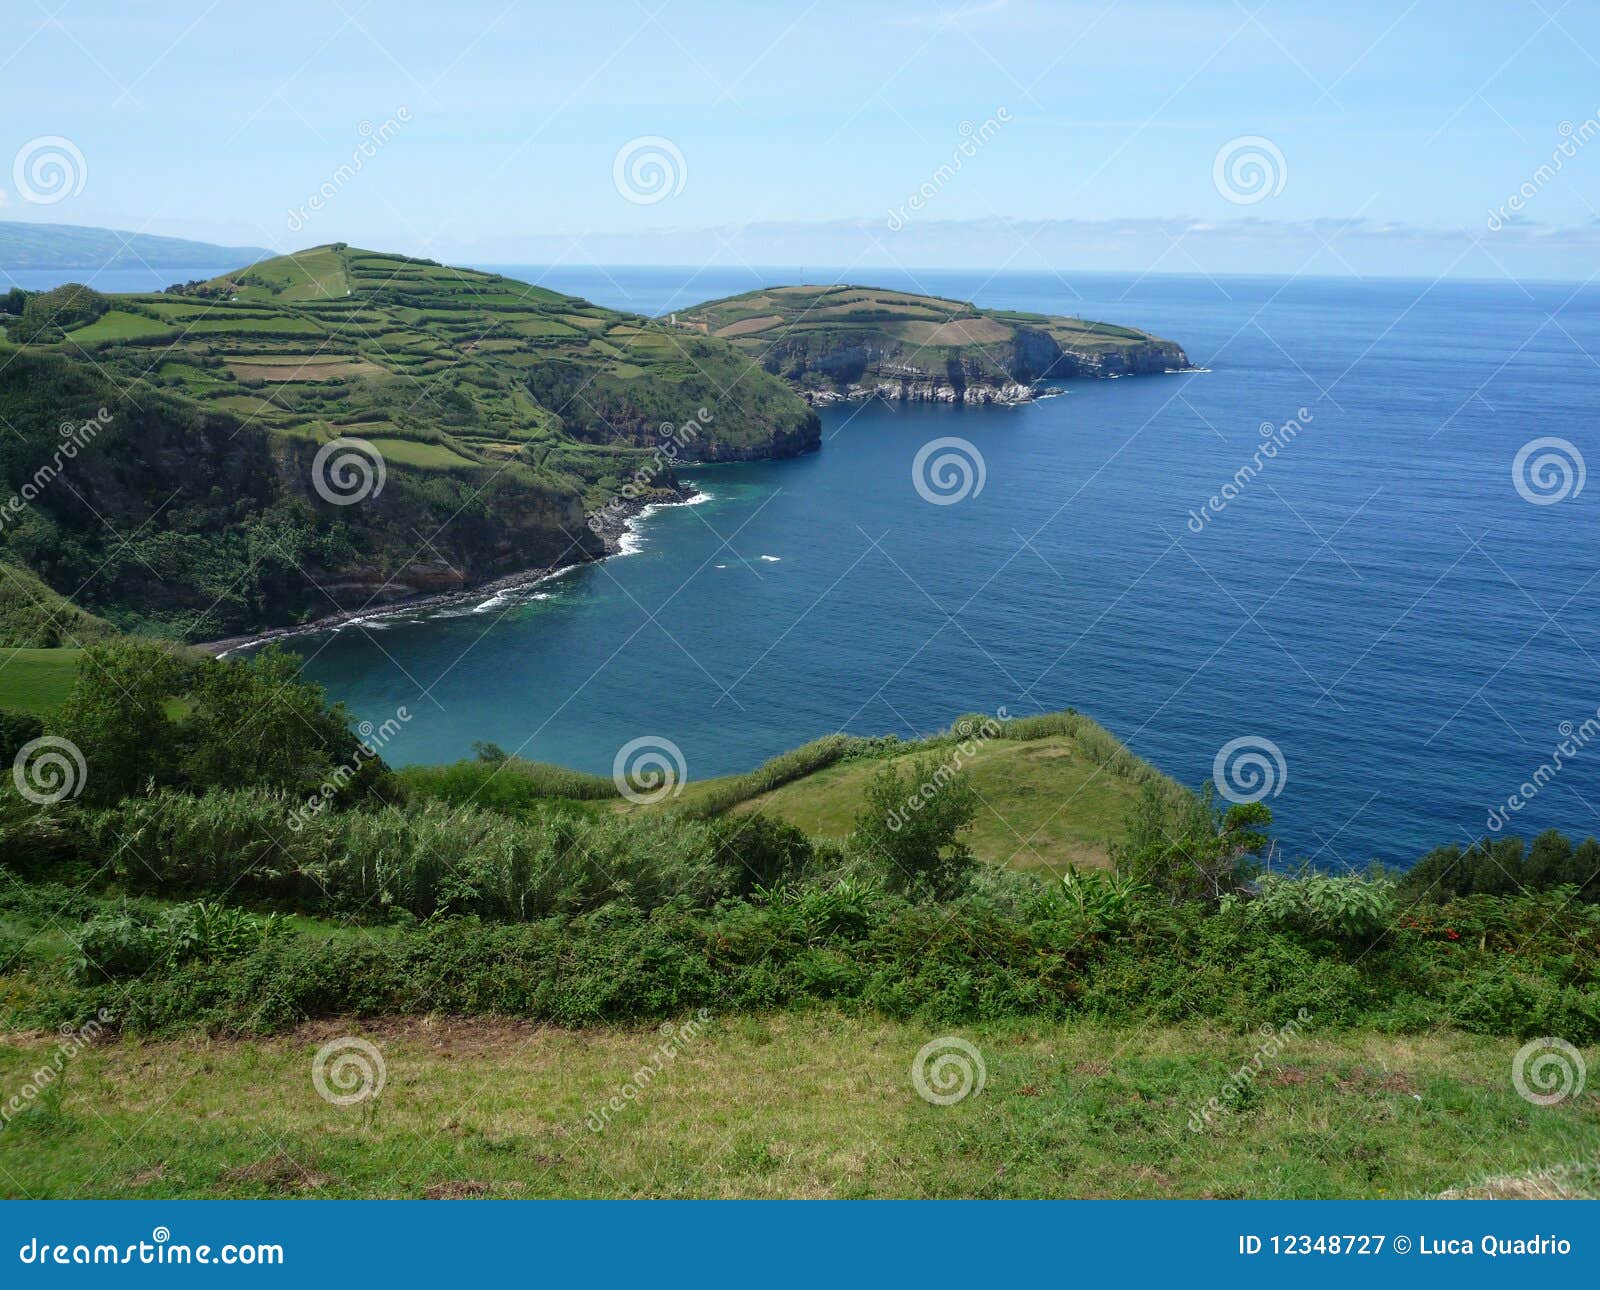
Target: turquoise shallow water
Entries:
(1379, 601)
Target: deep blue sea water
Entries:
(1379, 602)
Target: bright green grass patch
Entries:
(412, 452)
(1045, 804)
(37, 680)
(271, 325)
(816, 1105)
(317, 274)
(118, 325)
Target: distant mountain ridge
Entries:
(73, 246)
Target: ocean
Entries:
(1386, 624)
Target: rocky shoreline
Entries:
(970, 395)
(612, 527)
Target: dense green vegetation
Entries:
(850, 339)
(230, 858)
(506, 887)
(504, 416)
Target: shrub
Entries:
(912, 827)
(1347, 910)
(16, 729)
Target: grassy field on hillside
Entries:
(1045, 805)
(37, 680)
(789, 1105)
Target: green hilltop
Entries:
(851, 342)
(505, 416)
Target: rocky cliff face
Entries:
(1012, 377)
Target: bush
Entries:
(123, 945)
(428, 860)
(1348, 910)
(912, 827)
(16, 729)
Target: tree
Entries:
(117, 717)
(1192, 849)
(257, 725)
(913, 827)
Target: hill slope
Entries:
(494, 418)
(72, 246)
(852, 342)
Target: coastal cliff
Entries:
(341, 429)
(846, 342)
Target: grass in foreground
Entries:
(788, 1105)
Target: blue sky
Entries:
(1389, 134)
